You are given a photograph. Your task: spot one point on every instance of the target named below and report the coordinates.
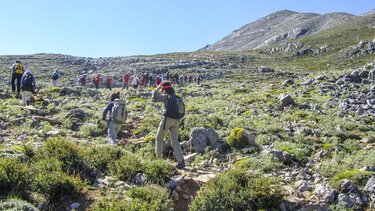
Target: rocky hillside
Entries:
(278, 27)
(288, 126)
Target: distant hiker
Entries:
(27, 87)
(82, 80)
(55, 76)
(135, 82)
(108, 82)
(97, 81)
(118, 114)
(17, 72)
(158, 80)
(174, 111)
(125, 80)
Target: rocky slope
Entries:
(277, 27)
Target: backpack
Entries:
(55, 76)
(19, 69)
(175, 107)
(119, 113)
(27, 82)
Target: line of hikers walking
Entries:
(23, 81)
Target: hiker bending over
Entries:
(174, 111)
(117, 116)
(17, 72)
(27, 87)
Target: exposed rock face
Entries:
(277, 27)
(202, 137)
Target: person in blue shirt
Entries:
(113, 128)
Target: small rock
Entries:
(186, 195)
(75, 205)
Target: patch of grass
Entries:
(357, 177)
(235, 190)
(149, 197)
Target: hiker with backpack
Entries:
(174, 111)
(55, 76)
(17, 72)
(117, 115)
(27, 87)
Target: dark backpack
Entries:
(55, 76)
(27, 82)
(175, 107)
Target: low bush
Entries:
(14, 177)
(149, 197)
(156, 171)
(100, 157)
(237, 139)
(17, 204)
(235, 190)
(63, 150)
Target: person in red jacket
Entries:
(126, 80)
(97, 81)
(108, 82)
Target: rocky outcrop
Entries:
(201, 137)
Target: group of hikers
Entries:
(139, 81)
(23, 81)
(174, 110)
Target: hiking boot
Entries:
(180, 165)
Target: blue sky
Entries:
(94, 28)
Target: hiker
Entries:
(135, 82)
(125, 80)
(108, 82)
(117, 115)
(158, 80)
(17, 72)
(55, 76)
(174, 111)
(97, 81)
(82, 80)
(27, 87)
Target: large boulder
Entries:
(202, 137)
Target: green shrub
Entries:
(149, 197)
(100, 157)
(57, 184)
(126, 167)
(237, 139)
(156, 170)
(235, 190)
(14, 176)
(17, 204)
(63, 150)
(93, 130)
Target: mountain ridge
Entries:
(278, 27)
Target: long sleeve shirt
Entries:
(158, 97)
(108, 109)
